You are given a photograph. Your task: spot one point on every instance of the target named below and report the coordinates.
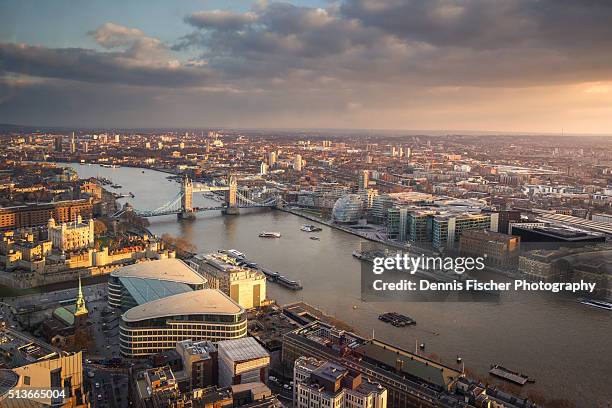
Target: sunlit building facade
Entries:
(164, 302)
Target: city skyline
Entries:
(353, 64)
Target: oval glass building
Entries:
(347, 209)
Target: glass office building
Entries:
(347, 209)
(164, 302)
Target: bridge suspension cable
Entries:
(171, 207)
(252, 203)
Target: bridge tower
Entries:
(186, 200)
(231, 201)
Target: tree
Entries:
(178, 243)
(99, 228)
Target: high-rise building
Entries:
(85, 147)
(272, 159)
(364, 179)
(57, 144)
(297, 162)
(73, 146)
(263, 168)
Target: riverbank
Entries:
(116, 166)
(348, 230)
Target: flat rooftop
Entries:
(244, 349)
(170, 269)
(205, 301)
(409, 363)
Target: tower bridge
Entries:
(182, 204)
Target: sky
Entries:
(542, 66)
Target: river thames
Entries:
(564, 345)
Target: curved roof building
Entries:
(144, 282)
(164, 302)
(348, 208)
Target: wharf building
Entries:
(591, 263)
(411, 380)
(245, 286)
(499, 250)
(38, 215)
(545, 235)
(165, 301)
(321, 384)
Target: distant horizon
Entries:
(409, 132)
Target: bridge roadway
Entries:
(197, 210)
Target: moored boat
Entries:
(310, 228)
(267, 234)
(500, 371)
(596, 303)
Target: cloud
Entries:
(489, 24)
(111, 35)
(345, 60)
(220, 20)
(439, 42)
(131, 58)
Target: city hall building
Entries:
(165, 301)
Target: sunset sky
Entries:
(498, 65)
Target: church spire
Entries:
(80, 301)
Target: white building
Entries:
(242, 361)
(320, 384)
(297, 162)
(246, 286)
(71, 236)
